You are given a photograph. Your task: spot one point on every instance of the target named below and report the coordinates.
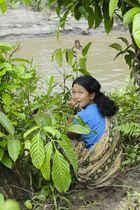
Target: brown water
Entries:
(110, 73)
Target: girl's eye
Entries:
(72, 92)
(80, 92)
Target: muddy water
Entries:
(111, 74)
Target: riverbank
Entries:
(23, 23)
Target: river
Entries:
(36, 35)
(101, 64)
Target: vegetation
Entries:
(128, 122)
(33, 123)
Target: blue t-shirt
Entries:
(95, 121)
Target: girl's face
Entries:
(81, 95)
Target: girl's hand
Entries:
(73, 104)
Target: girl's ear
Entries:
(92, 96)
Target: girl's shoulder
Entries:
(88, 110)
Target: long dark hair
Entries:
(106, 106)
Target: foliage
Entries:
(97, 11)
(17, 84)
(8, 204)
(34, 124)
(128, 120)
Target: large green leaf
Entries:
(61, 172)
(13, 148)
(7, 161)
(6, 98)
(1, 201)
(1, 153)
(128, 17)
(37, 151)
(124, 40)
(5, 46)
(116, 46)
(52, 130)
(91, 17)
(112, 6)
(6, 123)
(69, 151)
(86, 49)
(58, 56)
(108, 23)
(136, 29)
(76, 128)
(11, 205)
(45, 169)
(30, 131)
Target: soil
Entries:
(121, 195)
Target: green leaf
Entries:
(116, 46)
(76, 128)
(37, 151)
(77, 13)
(52, 130)
(91, 17)
(124, 40)
(136, 29)
(1, 134)
(45, 169)
(98, 16)
(30, 131)
(2, 72)
(7, 161)
(83, 11)
(3, 143)
(11, 205)
(1, 201)
(60, 172)
(86, 49)
(1, 153)
(5, 46)
(108, 23)
(128, 59)
(20, 60)
(69, 56)
(82, 63)
(112, 6)
(6, 123)
(27, 145)
(6, 98)
(69, 151)
(128, 17)
(6, 65)
(50, 84)
(13, 148)
(58, 56)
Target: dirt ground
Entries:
(123, 194)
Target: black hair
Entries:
(106, 106)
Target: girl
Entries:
(99, 152)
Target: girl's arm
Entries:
(71, 135)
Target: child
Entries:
(100, 147)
